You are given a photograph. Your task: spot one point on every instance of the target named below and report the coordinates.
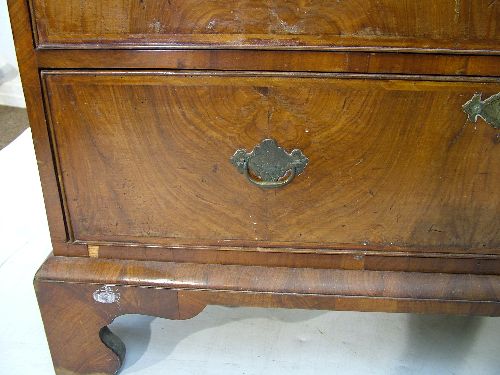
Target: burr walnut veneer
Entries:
(338, 155)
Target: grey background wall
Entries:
(11, 92)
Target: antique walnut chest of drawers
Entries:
(305, 154)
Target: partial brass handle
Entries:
(488, 109)
(271, 164)
(269, 184)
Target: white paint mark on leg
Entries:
(106, 294)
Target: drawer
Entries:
(413, 24)
(392, 163)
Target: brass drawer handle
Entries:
(268, 165)
(488, 109)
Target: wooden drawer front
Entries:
(393, 163)
(448, 24)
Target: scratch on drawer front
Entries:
(457, 10)
(283, 25)
(107, 295)
(211, 24)
(156, 27)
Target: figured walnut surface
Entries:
(427, 24)
(321, 258)
(90, 293)
(264, 60)
(281, 280)
(394, 164)
(397, 211)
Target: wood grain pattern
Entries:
(21, 29)
(410, 24)
(264, 280)
(262, 60)
(74, 321)
(393, 163)
(398, 210)
(79, 297)
(297, 258)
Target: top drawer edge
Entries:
(427, 26)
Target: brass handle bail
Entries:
(268, 165)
